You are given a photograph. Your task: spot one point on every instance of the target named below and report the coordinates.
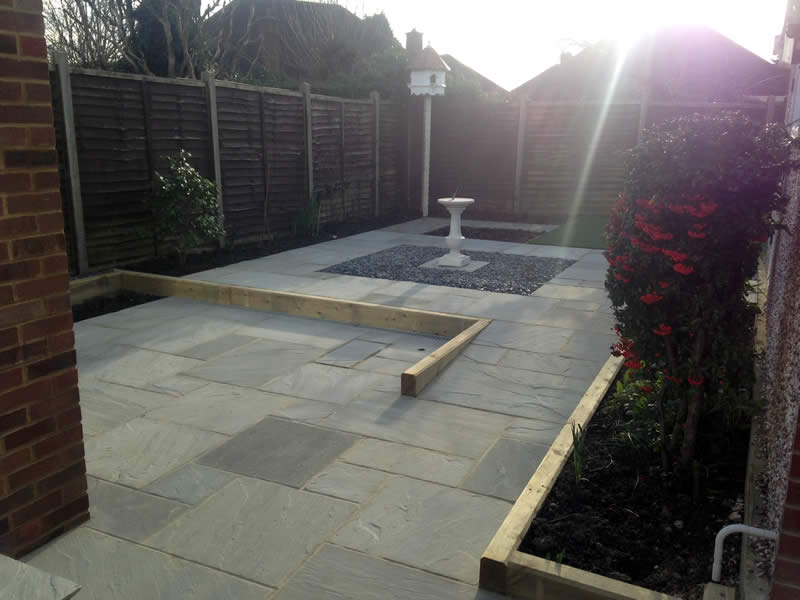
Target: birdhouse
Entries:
(427, 74)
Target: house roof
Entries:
(486, 84)
(428, 59)
(679, 62)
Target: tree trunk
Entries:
(690, 429)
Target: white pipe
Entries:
(716, 570)
(426, 155)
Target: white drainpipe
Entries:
(716, 570)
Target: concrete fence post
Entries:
(213, 122)
(73, 170)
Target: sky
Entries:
(510, 41)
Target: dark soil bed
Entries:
(623, 520)
(519, 236)
(169, 265)
(94, 307)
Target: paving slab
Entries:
(576, 319)
(506, 469)
(312, 412)
(220, 407)
(344, 288)
(570, 292)
(513, 392)
(217, 346)
(128, 513)
(177, 335)
(109, 568)
(19, 581)
(306, 332)
(587, 345)
(142, 450)
(101, 411)
(533, 338)
(136, 367)
(531, 430)
(351, 353)
(439, 529)
(347, 482)
(177, 385)
(254, 364)
(190, 484)
(330, 384)
(337, 574)
(387, 366)
(430, 425)
(510, 307)
(488, 355)
(280, 451)
(256, 529)
(414, 462)
(552, 363)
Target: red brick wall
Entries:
(786, 580)
(42, 471)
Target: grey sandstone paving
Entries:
(338, 574)
(577, 319)
(19, 581)
(531, 338)
(136, 367)
(256, 529)
(530, 430)
(101, 412)
(351, 353)
(96, 390)
(569, 292)
(412, 421)
(387, 366)
(281, 451)
(140, 451)
(552, 363)
(506, 469)
(255, 364)
(177, 335)
(514, 392)
(348, 482)
(220, 407)
(109, 568)
(307, 332)
(408, 460)
(128, 513)
(439, 529)
(330, 384)
(190, 483)
(217, 346)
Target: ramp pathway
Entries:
(239, 454)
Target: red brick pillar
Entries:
(42, 471)
(786, 581)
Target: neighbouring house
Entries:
(469, 79)
(676, 63)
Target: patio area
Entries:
(234, 453)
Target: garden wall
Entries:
(255, 142)
(529, 160)
(782, 389)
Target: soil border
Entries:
(506, 570)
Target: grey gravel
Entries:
(506, 273)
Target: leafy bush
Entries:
(184, 207)
(684, 241)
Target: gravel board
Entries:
(508, 273)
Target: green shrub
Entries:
(185, 208)
(684, 241)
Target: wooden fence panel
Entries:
(574, 158)
(473, 150)
(114, 172)
(284, 165)
(241, 148)
(359, 160)
(392, 149)
(328, 139)
(63, 174)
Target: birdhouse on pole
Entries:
(427, 74)
(427, 79)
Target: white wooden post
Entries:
(522, 124)
(213, 120)
(79, 230)
(426, 155)
(376, 101)
(305, 88)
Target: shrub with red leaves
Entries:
(684, 242)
